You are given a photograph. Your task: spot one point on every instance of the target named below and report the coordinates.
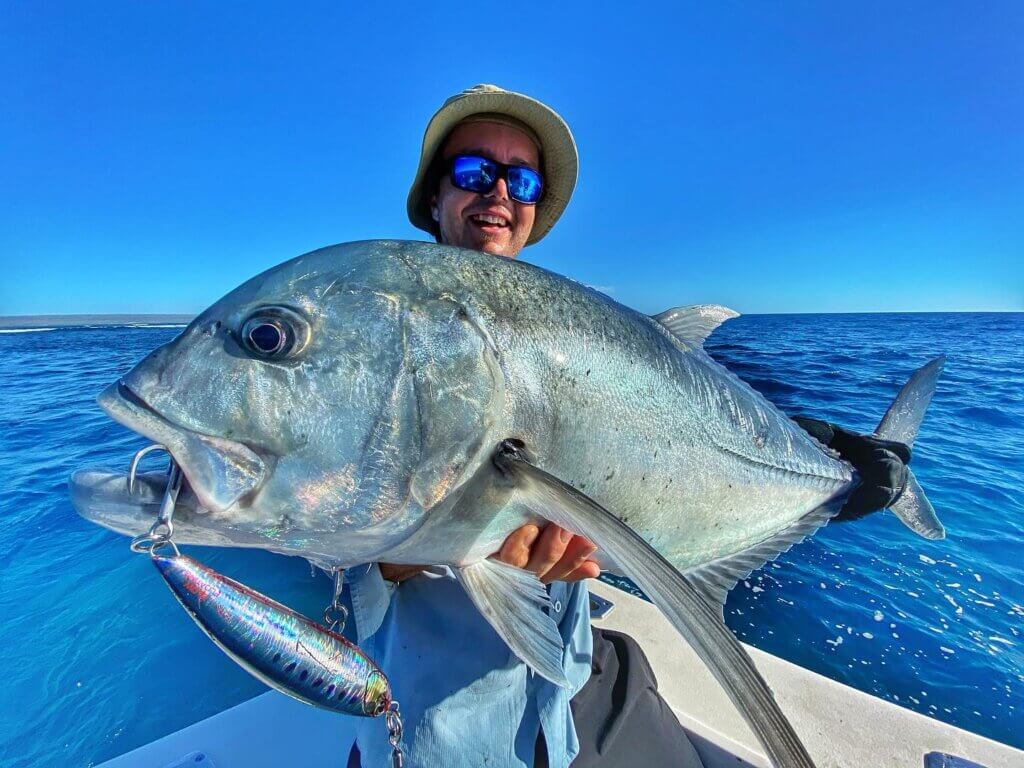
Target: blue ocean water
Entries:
(101, 659)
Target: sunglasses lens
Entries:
(474, 174)
(524, 184)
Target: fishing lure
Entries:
(284, 649)
(280, 647)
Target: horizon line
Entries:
(6, 320)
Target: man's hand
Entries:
(881, 464)
(399, 573)
(553, 553)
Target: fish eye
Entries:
(274, 333)
(267, 338)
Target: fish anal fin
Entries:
(716, 578)
(514, 601)
(693, 324)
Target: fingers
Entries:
(553, 553)
(588, 570)
(516, 549)
(574, 564)
(399, 573)
(549, 549)
(558, 555)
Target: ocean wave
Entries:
(155, 325)
(25, 330)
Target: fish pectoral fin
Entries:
(693, 324)
(513, 602)
(681, 602)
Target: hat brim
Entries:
(558, 153)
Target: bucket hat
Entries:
(559, 160)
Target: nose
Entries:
(500, 190)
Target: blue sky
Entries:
(782, 157)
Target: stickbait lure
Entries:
(282, 648)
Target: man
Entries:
(496, 172)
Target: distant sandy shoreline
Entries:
(73, 321)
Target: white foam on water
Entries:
(954, 603)
(25, 330)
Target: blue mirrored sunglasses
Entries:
(479, 174)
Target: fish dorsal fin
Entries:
(693, 324)
(514, 602)
(715, 579)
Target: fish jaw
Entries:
(101, 496)
(221, 478)
(220, 472)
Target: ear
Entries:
(434, 212)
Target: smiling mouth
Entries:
(489, 221)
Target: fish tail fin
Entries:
(916, 512)
(901, 422)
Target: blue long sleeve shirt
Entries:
(465, 699)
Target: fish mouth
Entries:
(220, 473)
(101, 496)
(128, 395)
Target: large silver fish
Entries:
(414, 403)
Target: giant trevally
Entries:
(413, 403)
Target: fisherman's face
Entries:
(460, 214)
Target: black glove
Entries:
(881, 464)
